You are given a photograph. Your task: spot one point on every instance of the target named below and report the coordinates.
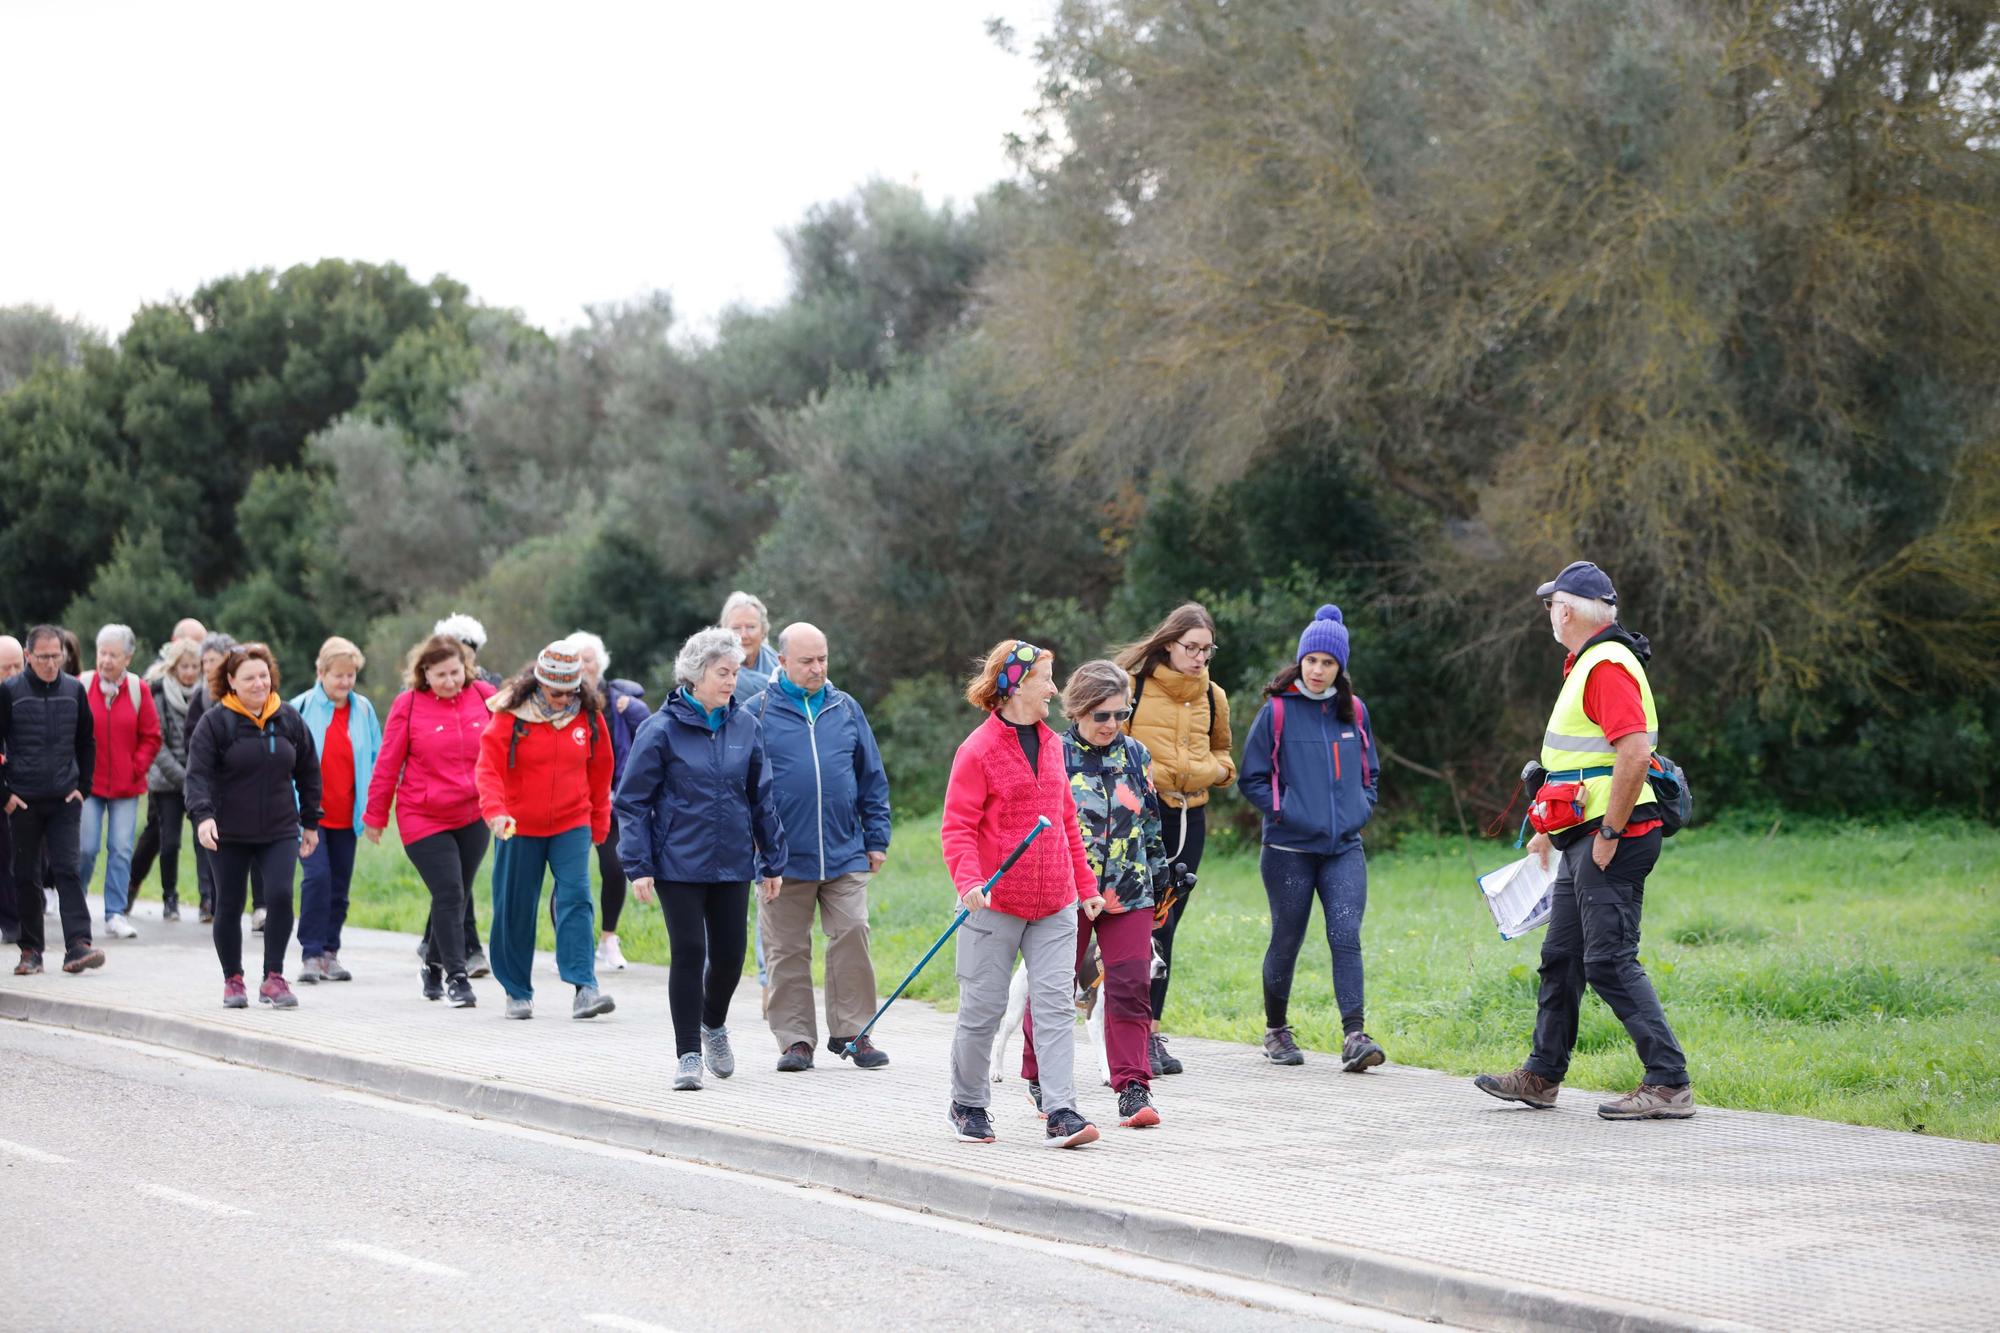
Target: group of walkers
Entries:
(757, 774)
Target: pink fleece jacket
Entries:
(430, 747)
(989, 806)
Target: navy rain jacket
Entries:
(695, 805)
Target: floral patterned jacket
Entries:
(1118, 813)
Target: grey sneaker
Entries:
(688, 1079)
(519, 1008)
(1281, 1049)
(257, 922)
(590, 1002)
(312, 971)
(334, 971)
(1359, 1053)
(1650, 1101)
(721, 1060)
(475, 963)
(1520, 1085)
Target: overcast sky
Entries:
(548, 155)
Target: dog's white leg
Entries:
(1017, 1009)
(1094, 1027)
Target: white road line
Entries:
(625, 1322)
(394, 1258)
(194, 1201)
(32, 1154)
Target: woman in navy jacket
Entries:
(1310, 767)
(696, 819)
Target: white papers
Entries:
(1518, 895)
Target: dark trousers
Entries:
(166, 811)
(1593, 938)
(707, 930)
(448, 863)
(1291, 881)
(10, 916)
(611, 874)
(1187, 830)
(323, 885)
(236, 864)
(51, 828)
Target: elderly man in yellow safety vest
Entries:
(1599, 814)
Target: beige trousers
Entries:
(786, 923)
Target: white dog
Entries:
(1089, 989)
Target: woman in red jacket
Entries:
(430, 747)
(1007, 773)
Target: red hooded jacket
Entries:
(128, 736)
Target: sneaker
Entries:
(688, 1077)
(798, 1058)
(459, 991)
(334, 971)
(433, 982)
(971, 1124)
(475, 963)
(1650, 1101)
(1281, 1049)
(30, 964)
(721, 1060)
(1135, 1107)
(313, 970)
(170, 910)
(207, 915)
(609, 955)
(1359, 1053)
(118, 928)
(1035, 1098)
(590, 1002)
(233, 994)
(1160, 1057)
(83, 956)
(517, 1007)
(1523, 1086)
(276, 993)
(257, 922)
(1067, 1129)
(866, 1054)
(423, 951)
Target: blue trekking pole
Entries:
(1041, 822)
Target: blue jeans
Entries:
(117, 818)
(517, 898)
(1291, 881)
(323, 884)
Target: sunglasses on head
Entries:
(1110, 715)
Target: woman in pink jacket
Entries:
(430, 746)
(1008, 772)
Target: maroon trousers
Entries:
(1125, 948)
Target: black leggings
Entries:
(1171, 821)
(234, 863)
(706, 923)
(448, 863)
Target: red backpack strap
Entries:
(1277, 738)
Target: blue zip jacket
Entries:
(364, 733)
(695, 804)
(832, 791)
(625, 722)
(1320, 791)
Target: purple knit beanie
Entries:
(1325, 635)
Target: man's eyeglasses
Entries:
(1110, 715)
(45, 657)
(1203, 651)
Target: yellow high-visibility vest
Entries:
(1575, 748)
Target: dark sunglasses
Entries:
(1111, 715)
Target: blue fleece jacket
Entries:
(1318, 790)
(832, 791)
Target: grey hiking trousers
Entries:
(988, 943)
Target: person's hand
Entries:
(642, 889)
(74, 797)
(205, 834)
(502, 826)
(768, 888)
(875, 860)
(1093, 906)
(308, 840)
(373, 835)
(974, 899)
(1602, 850)
(15, 803)
(1539, 847)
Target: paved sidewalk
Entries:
(1403, 1188)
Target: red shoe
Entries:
(233, 994)
(276, 993)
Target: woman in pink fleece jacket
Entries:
(1007, 773)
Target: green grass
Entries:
(1847, 972)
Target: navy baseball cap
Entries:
(1585, 580)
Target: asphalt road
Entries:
(149, 1189)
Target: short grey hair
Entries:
(583, 638)
(1589, 610)
(736, 601)
(703, 649)
(1091, 684)
(122, 634)
(217, 642)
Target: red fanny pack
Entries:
(1557, 806)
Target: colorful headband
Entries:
(1016, 667)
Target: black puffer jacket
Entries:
(244, 776)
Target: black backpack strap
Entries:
(1211, 708)
(1138, 691)
(514, 744)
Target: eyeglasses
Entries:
(1203, 652)
(45, 657)
(1111, 715)
(1548, 603)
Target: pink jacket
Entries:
(989, 806)
(430, 747)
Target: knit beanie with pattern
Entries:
(560, 666)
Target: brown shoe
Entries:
(1650, 1101)
(83, 956)
(1529, 1089)
(30, 964)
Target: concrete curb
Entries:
(1364, 1277)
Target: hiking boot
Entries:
(234, 996)
(313, 970)
(971, 1124)
(721, 1060)
(1135, 1107)
(170, 909)
(83, 956)
(1522, 1085)
(433, 982)
(276, 993)
(1359, 1053)
(866, 1055)
(1651, 1101)
(257, 922)
(519, 1006)
(459, 991)
(688, 1077)
(334, 971)
(30, 964)
(590, 1002)
(609, 956)
(1160, 1057)
(1067, 1129)
(119, 928)
(1281, 1049)
(475, 963)
(798, 1058)
(1035, 1098)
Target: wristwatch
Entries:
(1611, 834)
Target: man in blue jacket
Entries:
(833, 800)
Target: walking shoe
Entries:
(118, 928)
(518, 1007)
(30, 964)
(688, 1077)
(313, 970)
(866, 1054)
(721, 1060)
(1160, 1057)
(334, 971)
(475, 963)
(1359, 1053)
(609, 955)
(590, 1002)
(83, 956)
(1651, 1101)
(433, 981)
(1035, 1098)
(798, 1058)
(459, 991)
(276, 993)
(971, 1124)
(170, 910)
(1281, 1049)
(1521, 1085)
(1067, 1129)
(207, 912)
(233, 994)
(10, 934)
(423, 951)
(257, 922)
(1135, 1107)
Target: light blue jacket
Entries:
(364, 733)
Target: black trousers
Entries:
(1593, 939)
(10, 917)
(166, 813)
(50, 828)
(1188, 830)
(448, 863)
(236, 865)
(707, 928)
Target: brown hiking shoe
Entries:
(1523, 1086)
(30, 964)
(1650, 1101)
